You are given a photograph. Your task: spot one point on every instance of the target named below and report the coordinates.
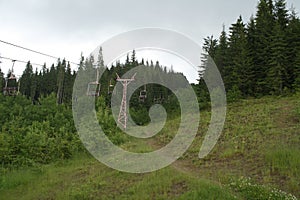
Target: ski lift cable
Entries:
(21, 61)
(34, 51)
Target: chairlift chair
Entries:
(143, 95)
(110, 88)
(94, 87)
(11, 86)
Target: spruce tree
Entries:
(221, 56)
(52, 78)
(293, 50)
(250, 79)
(25, 87)
(277, 73)
(100, 61)
(60, 81)
(133, 58)
(237, 56)
(281, 14)
(210, 46)
(34, 93)
(68, 84)
(264, 29)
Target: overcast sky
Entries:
(67, 28)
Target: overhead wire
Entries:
(21, 61)
(34, 51)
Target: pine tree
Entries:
(60, 81)
(235, 70)
(52, 78)
(100, 62)
(249, 77)
(263, 33)
(293, 49)
(34, 87)
(127, 62)
(68, 84)
(281, 14)
(277, 73)
(133, 58)
(221, 56)
(44, 80)
(210, 46)
(209, 50)
(25, 80)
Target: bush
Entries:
(39, 134)
(234, 94)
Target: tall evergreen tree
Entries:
(100, 61)
(281, 14)
(277, 74)
(221, 56)
(25, 86)
(210, 46)
(250, 79)
(68, 84)
(293, 50)
(235, 69)
(60, 81)
(34, 87)
(133, 58)
(264, 27)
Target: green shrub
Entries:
(35, 134)
(234, 94)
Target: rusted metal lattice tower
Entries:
(122, 119)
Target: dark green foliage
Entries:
(2, 81)
(293, 51)
(262, 57)
(277, 73)
(221, 57)
(237, 57)
(25, 80)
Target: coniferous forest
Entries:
(260, 56)
(257, 156)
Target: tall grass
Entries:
(284, 160)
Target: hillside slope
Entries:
(257, 157)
